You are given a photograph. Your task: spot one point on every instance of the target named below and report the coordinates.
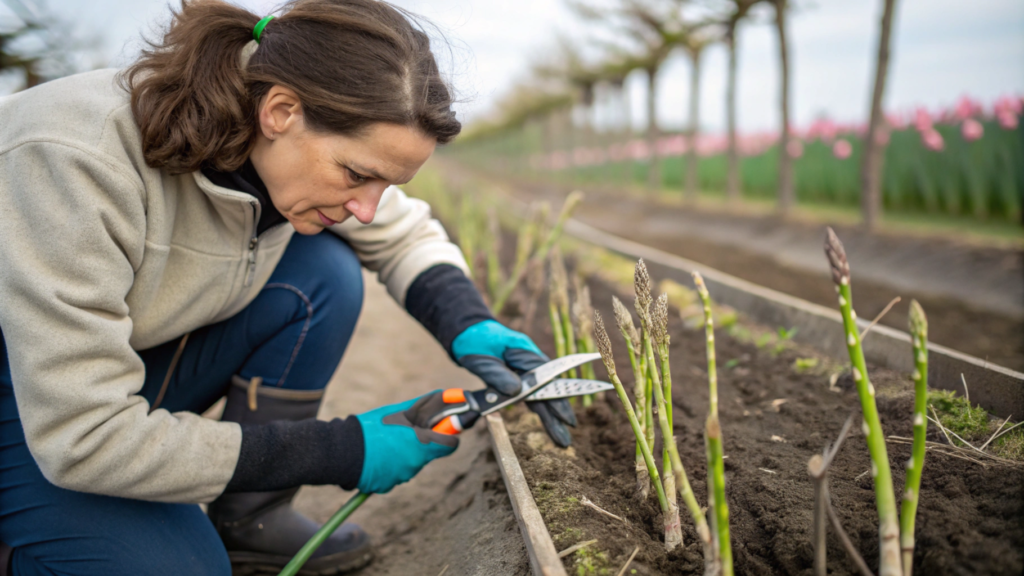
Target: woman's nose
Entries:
(364, 206)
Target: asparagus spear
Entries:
(885, 498)
(494, 272)
(642, 285)
(919, 337)
(541, 254)
(716, 468)
(556, 321)
(604, 345)
(628, 330)
(656, 334)
(560, 296)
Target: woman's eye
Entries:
(357, 178)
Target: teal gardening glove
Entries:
(395, 449)
(497, 355)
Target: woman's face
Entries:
(316, 180)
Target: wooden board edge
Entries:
(544, 560)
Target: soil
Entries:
(974, 295)
(970, 519)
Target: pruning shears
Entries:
(456, 409)
(459, 409)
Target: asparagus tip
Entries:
(604, 345)
(642, 287)
(837, 258)
(698, 280)
(659, 320)
(918, 320)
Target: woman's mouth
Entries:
(326, 221)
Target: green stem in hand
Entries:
(885, 498)
(325, 531)
(919, 337)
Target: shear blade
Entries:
(568, 388)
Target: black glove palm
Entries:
(498, 355)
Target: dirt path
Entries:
(974, 295)
(456, 513)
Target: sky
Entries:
(941, 49)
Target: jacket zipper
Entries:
(254, 243)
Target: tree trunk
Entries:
(626, 133)
(785, 192)
(654, 162)
(732, 177)
(694, 129)
(874, 143)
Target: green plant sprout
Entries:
(583, 313)
(885, 499)
(919, 337)
(713, 434)
(539, 255)
(559, 296)
(649, 330)
(604, 346)
(624, 320)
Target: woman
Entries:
(149, 266)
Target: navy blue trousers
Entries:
(292, 335)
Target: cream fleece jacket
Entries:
(101, 255)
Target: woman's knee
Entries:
(327, 272)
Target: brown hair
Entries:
(352, 63)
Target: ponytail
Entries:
(351, 62)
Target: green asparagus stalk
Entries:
(583, 312)
(657, 334)
(604, 346)
(494, 272)
(642, 305)
(642, 286)
(560, 294)
(919, 337)
(468, 233)
(716, 469)
(541, 254)
(709, 333)
(556, 320)
(885, 498)
(628, 330)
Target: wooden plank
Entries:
(997, 389)
(540, 548)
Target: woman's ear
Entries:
(280, 112)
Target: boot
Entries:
(260, 530)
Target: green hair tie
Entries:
(258, 30)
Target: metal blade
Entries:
(534, 380)
(569, 387)
(545, 373)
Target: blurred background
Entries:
(726, 131)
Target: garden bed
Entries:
(777, 409)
